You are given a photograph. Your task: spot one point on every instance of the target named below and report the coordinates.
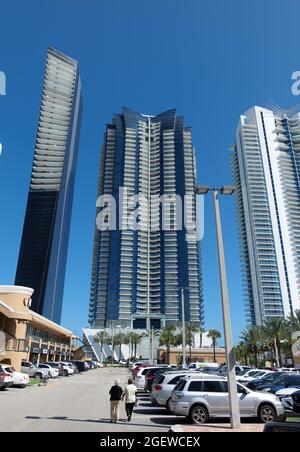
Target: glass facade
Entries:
(44, 244)
(137, 272)
(266, 163)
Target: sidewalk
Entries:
(216, 428)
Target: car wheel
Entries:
(65, 373)
(38, 375)
(266, 413)
(198, 414)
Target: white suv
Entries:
(201, 399)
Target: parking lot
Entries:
(77, 403)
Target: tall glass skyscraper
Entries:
(44, 245)
(266, 167)
(137, 273)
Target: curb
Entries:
(176, 429)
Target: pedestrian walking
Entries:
(116, 395)
(130, 398)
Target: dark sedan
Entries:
(267, 379)
(285, 381)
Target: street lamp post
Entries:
(231, 376)
(183, 326)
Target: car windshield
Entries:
(253, 373)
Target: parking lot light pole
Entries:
(231, 376)
(183, 327)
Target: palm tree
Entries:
(293, 321)
(112, 342)
(151, 334)
(214, 335)
(102, 338)
(119, 339)
(189, 334)
(168, 338)
(241, 352)
(136, 339)
(201, 331)
(275, 330)
(252, 339)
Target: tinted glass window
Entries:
(175, 380)
(213, 386)
(293, 381)
(159, 379)
(195, 386)
(180, 385)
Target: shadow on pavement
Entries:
(96, 421)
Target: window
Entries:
(180, 385)
(160, 379)
(195, 386)
(175, 380)
(213, 386)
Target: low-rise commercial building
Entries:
(201, 355)
(26, 335)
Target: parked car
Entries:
(33, 371)
(287, 422)
(201, 399)
(209, 370)
(6, 378)
(284, 381)
(136, 367)
(19, 378)
(296, 401)
(139, 379)
(57, 366)
(71, 365)
(67, 369)
(53, 373)
(2, 378)
(151, 375)
(81, 366)
(239, 370)
(267, 379)
(197, 365)
(251, 375)
(166, 382)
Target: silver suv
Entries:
(201, 399)
(165, 383)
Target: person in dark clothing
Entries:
(116, 395)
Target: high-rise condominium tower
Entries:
(137, 274)
(266, 165)
(44, 245)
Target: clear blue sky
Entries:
(210, 60)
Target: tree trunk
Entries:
(201, 340)
(168, 354)
(214, 347)
(276, 352)
(101, 353)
